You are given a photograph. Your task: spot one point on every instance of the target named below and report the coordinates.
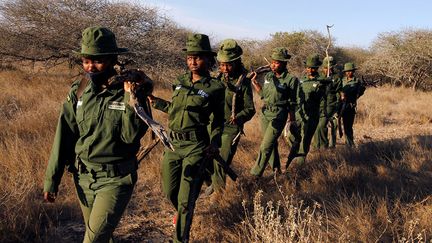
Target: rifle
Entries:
(259, 70)
(341, 110)
(196, 187)
(152, 140)
(141, 83)
(237, 137)
(230, 172)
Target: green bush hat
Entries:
(313, 61)
(99, 41)
(229, 51)
(349, 66)
(197, 44)
(280, 54)
(327, 60)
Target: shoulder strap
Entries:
(234, 98)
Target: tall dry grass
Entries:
(29, 106)
(378, 192)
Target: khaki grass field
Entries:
(379, 191)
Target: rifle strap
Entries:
(82, 85)
(234, 98)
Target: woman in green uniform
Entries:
(239, 107)
(97, 137)
(279, 96)
(352, 89)
(196, 96)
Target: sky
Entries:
(355, 23)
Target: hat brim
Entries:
(317, 66)
(208, 53)
(280, 59)
(227, 59)
(119, 51)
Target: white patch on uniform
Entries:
(178, 87)
(202, 93)
(79, 103)
(115, 105)
(266, 81)
(314, 85)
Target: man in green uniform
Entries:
(329, 106)
(352, 89)
(310, 94)
(97, 137)
(196, 96)
(239, 107)
(279, 96)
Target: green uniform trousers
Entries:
(300, 140)
(103, 199)
(181, 178)
(320, 139)
(227, 151)
(272, 125)
(348, 123)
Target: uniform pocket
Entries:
(196, 103)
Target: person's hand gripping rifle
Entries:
(139, 84)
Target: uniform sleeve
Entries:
(161, 104)
(300, 97)
(293, 101)
(217, 120)
(63, 149)
(249, 109)
(361, 90)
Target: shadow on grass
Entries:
(392, 169)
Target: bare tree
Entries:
(404, 58)
(299, 44)
(48, 30)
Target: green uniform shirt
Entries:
(310, 94)
(100, 127)
(193, 103)
(280, 91)
(352, 89)
(244, 106)
(332, 96)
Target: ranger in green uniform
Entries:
(352, 89)
(279, 95)
(196, 96)
(329, 106)
(239, 106)
(310, 94)
(97, 137)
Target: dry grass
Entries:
(378, 192)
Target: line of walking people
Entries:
(98, 133)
